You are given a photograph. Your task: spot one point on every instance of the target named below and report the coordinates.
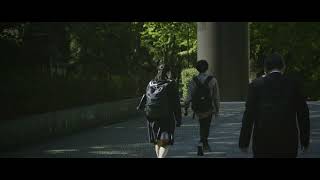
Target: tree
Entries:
(172, 43)
(298, 42)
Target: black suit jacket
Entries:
(276, 113)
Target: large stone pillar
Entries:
(225, 45)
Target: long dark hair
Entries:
(162, 73)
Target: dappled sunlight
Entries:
(317, 103)
(230, 124)
(227, 115)
(80, 83)
(315, 116)
(98, 147)
(113, 146)
(315, 140)
(193, 154)
(216, 153)
(233, 110)
(227, 132)
(180, 156)
(230, 143)
(129, 140)
(190, 125)
(217, 138)
(233, 103)
(142, 127)
(60, 151)
(109, 152)
(139, 145)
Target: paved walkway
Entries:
(129, 139)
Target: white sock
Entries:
(163, 151)
(157, 147)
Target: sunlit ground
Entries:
(129, 139)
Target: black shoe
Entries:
(200, 149)
(206, 147)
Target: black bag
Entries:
(157, 100)
(201, 97)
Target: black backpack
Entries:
(157, 100)
(201, 97)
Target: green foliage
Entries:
(186, 77)
(172, 43)
(298, 42)
(107, 61)
(99, 61)
(105, 43)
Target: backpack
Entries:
(201, 97)
(157, 100)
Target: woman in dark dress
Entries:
(161, 130)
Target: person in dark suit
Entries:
(276, 114)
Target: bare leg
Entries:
(163, 151)
(157, 147)
(163, 145)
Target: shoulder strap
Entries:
(206, 82)
(196, 80)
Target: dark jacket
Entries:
(274, 103)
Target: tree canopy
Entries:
(120, 57)
(297, 42)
